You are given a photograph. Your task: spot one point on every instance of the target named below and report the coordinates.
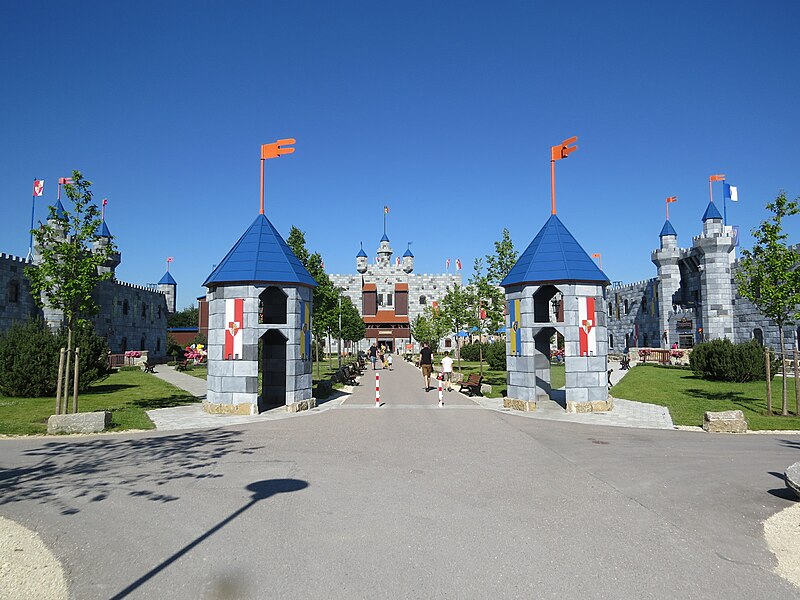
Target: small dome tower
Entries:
(408, 260)
(361, 260)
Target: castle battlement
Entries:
(14, 258)
(143, 288)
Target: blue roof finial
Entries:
(554, 255)
(667, 229)
(711, 213)
(260, 256)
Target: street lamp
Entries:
(339, 290)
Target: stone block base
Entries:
(523, 405)
(301, 405)
(229, 409)
(593, 406)
(93, 422)
(486, 389)
(726, 421)
(792, 477)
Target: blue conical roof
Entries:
(260, 256)
(361, 252)
(408, 253)
(711, 213)
(167, 279)
(103, 231)
(385, 238)
(60, 210)
(554, 255)
(667, 229)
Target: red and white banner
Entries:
(234, 321)
(38, 187)
(458, 264)
(587, 327)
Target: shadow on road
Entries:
(74, 472)
(261, 490)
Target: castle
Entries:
(130, 317)
(389, 295)
(693, 298)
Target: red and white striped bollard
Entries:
(441, 400)
(377, 390)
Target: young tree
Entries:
(67, 270)
(431, 326)
(768, 276)
(488, 304)
(502, 261)
(187, 317)
(457, 308)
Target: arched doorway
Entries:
(273, 370)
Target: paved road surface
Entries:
(405, 501)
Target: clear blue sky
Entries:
(444, 111)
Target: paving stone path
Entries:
(403, 388)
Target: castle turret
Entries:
(669, 278)
(716, 286)
(169, 287)
(102, 241)
(384, 252)
(361, 261)
(408, 260)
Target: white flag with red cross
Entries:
(587, 327)
(234, 321)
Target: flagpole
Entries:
(553, 186)
(33, 212)
(262, 185)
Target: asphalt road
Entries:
(405, 501)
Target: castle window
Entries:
(158, 344)
(611, 340)
(272, 306)
(124, 307)
(141, 345)
(388, 299)
(610, 307)
(644, 304)
(13, 291)
(423, 300)
(124, 345)
(626, 306)
(144, 310)
(159, 312)
(758, 335)
(380, 299)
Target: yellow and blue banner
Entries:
(305, 330)
(514, 323)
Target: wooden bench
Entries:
(346, 375)
(149, 367)
(182, 366)
(472, 384)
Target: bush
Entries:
(496, 356)
(29, 354)
(721, 360)
(28, 360)
(472, 351)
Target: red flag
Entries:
(447, 264)
(397, 260)
(717, 178)
(64, 180)
(458, 264)
(38, 187)
(105, 201)
(169, 259)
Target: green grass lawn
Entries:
(498, 380)
(687, 397)
(127, 394)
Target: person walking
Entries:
(389, 361)
(447, 371)
(373, 354)
(426, 364)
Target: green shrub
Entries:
(472, 351)
(130, 368)
(29, 354)
(496, 356)
(722, 360)
(28, 360)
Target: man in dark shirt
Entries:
(426, 364)
(373, 354)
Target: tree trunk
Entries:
(458, 347)
(480, 353)
(75, 382)
(65, 389)
(796, 385)
(784, 399)
(330, 358)
(60, 380)
(769, 381)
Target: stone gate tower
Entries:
(555, 287)
(260, 304)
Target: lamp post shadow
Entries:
(261, 490)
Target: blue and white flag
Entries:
(730, 192)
